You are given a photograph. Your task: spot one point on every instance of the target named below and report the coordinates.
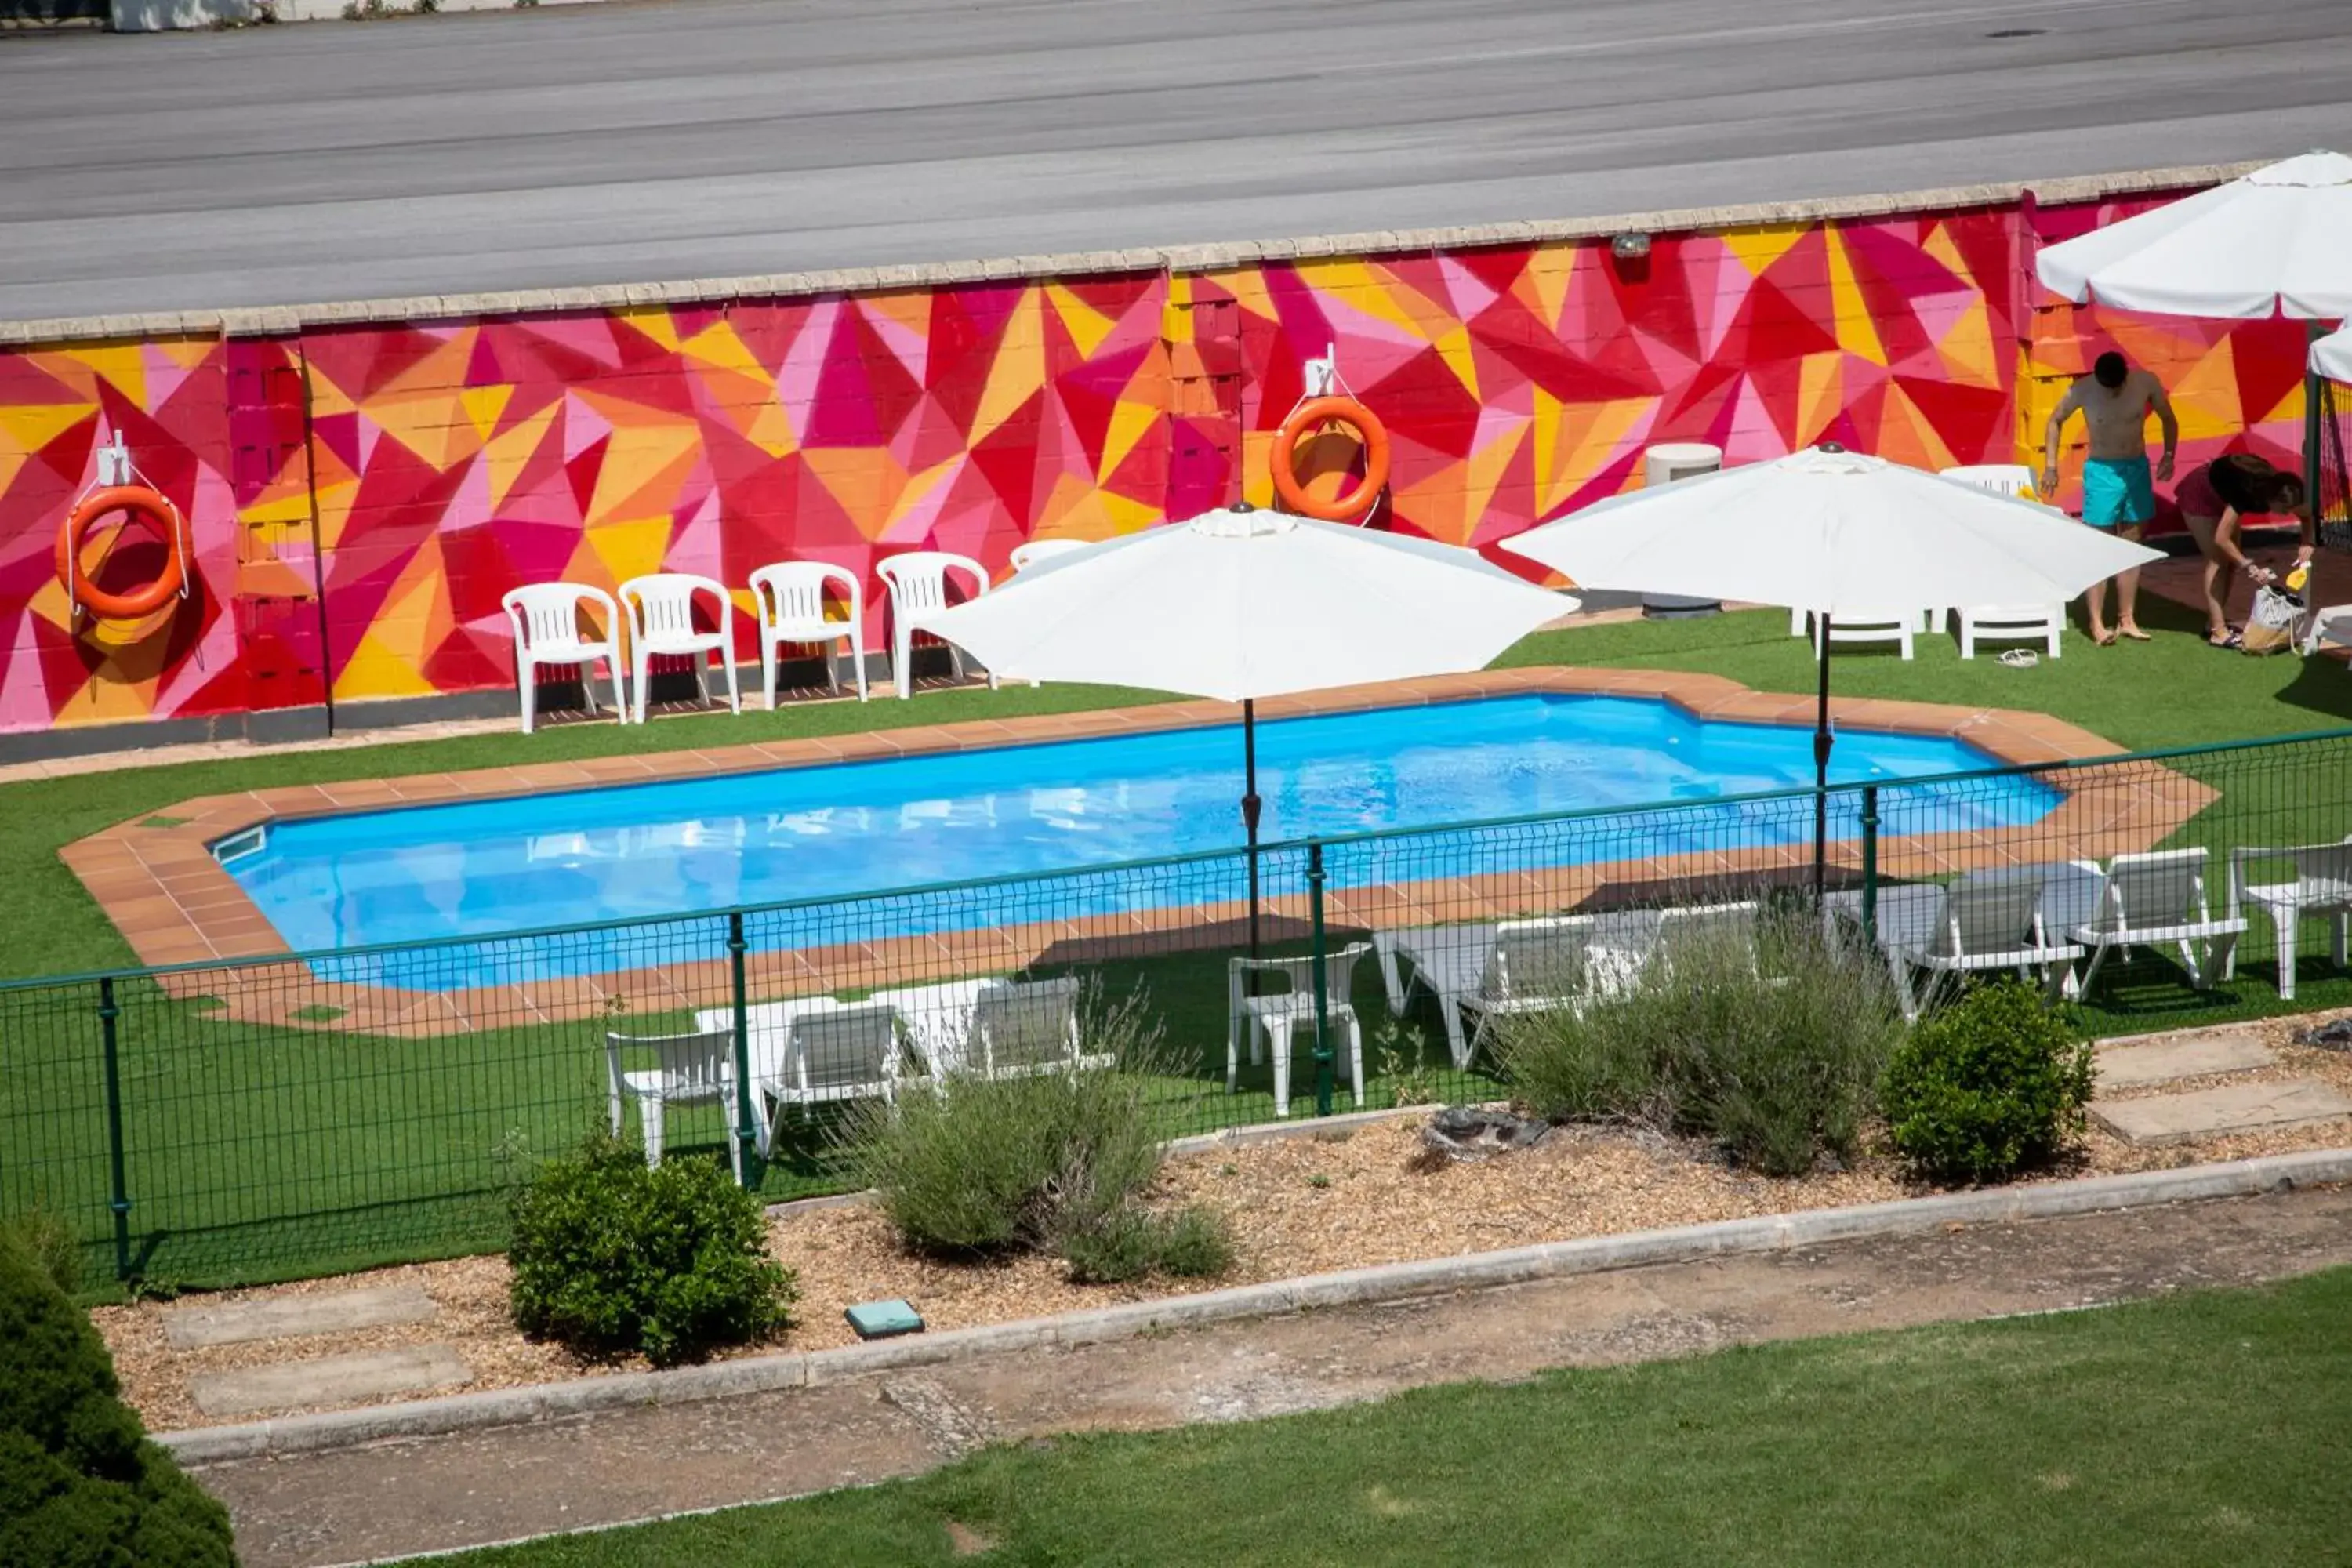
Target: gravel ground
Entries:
(1296, 1206)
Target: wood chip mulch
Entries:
(1296, 1206)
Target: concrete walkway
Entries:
(353, 1505)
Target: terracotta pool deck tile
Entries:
(292, 800)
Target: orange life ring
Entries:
(1309, 415)
(140, 501)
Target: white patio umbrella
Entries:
(2331, 356)
(1833, 533)
(1239, 605)
(2277, 242)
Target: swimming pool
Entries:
(486, 868)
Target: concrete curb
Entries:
(284, 319)
(760, 1374)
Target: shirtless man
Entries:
(2118, 492)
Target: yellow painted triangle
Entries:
(483, 404)
(1856, 333)
(1758, 249)
(185, 353)
(26, 427)
(629, 547)
(509, 451)
(1087, 327)
(862, 480)
(1019, 370)
(655, 321)
(2206, 397)
(285, 502)
(771, 430)
(2290, 408)
(442, 370)
(1541, 286)
(327, 398)
(376, 668)
(1487, 464)
(1967, 349)
(122, 365)
(1247, 286)
(1906, 436)
(1257, 472)
(1549, 493)
(1129, 515)
(1591, 432)
(1129, 424)
(1175, 312)
(643, 470)
(718, 345)
(1074, 510)
(1821, 387)
(433, 423)
(389, 658)
(1939, 244)
(1453, 348)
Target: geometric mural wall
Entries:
(363, 496)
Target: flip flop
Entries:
(2236, 638)
(2105, 640)
(2133, 634)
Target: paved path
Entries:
(713, 137)
(464, 1490)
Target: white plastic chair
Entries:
(1984, 921)
(1282, 1012)
(917, 584)
(790, 600)
(2322, 889)
(2158, 898)
(1024, 556)
(695, 1069)
(1897, 627)
(661, 621)
(546, 621)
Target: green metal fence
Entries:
(247, 1120)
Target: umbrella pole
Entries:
(2313, 332)
(1821, 743)
(1250, 805)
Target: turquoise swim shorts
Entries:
(2118, 492)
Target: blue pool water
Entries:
(492, 866)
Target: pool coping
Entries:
(157, 880)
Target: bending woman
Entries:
(2215, 501)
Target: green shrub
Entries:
(1130, 1242)
(1767, 1038)
(611, 1256)
(1988, 1087)
(80, 1486)
(1048, 1162)
(49, 1242)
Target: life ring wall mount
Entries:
(1328, 402)
(138, 502)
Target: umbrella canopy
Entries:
(1830, 531)
(1239, 605)
(2331, 356)
(2273, 243)
(1243, 604)
(1834, 532)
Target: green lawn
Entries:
(255, 1152)
(2196, 1429)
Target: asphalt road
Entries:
(662, 139)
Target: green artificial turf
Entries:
(2193, 1429)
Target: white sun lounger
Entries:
(1984, 921)
(2158, 898)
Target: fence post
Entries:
(119, 1195)
(1322, 1005)
(1869, 867)
(746, 1135)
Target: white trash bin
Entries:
(1662, 465)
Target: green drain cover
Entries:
(882, 1320)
